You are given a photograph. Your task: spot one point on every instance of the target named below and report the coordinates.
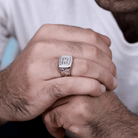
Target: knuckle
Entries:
(95, 52)
(89, 32)
(46, 119)
(41, 29)
(76, 130)
(68, 84)
(55, 118)
(38, 46)
(45, 26)
(95, 86)
(83, 67)
(41, 46)
(113, 69)
(54, 91)
(105, 78)
(101, 76)
(35, 51)
(111, 83)
(92, 36)
(82, 107)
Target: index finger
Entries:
(74, 34)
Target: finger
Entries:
(62, 117)
(79, 50)
(83, 68)
(61, 102)
(73, 34)
(105, 38)
(89, 69)
(57, 120)
(55, 89)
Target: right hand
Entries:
(32, 83)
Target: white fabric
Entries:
(22, 18)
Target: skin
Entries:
(84, 116)
(104, 116)
(33, 83)
(125, 12)
(20, 101)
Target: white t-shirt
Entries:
(22, 18)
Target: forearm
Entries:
(117, 121)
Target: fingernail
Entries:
(115, 82)
(103, 89)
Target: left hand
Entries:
(85, 116)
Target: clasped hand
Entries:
(33, 83)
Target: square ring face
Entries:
(65, 61)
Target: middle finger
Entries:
(77, 50)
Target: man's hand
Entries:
(91, 117)
(32, 83)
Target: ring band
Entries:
(65, 63)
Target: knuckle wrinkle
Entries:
(55, 118)
(55, 92)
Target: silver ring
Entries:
(65, 63)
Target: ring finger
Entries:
(81, 68)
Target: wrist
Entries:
(123, 128)
(117, 120)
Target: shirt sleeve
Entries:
(4, 31)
